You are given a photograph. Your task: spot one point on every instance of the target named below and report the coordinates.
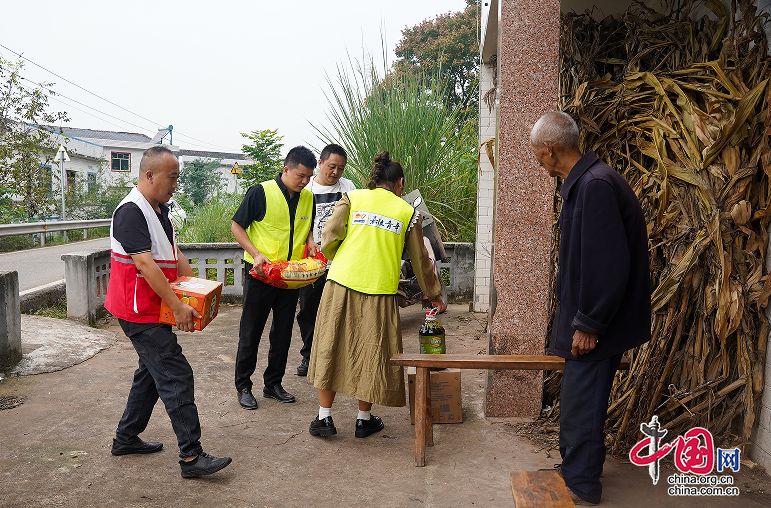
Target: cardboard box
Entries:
(201, 294)
(445, 395)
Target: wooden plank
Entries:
(493, 362)
(539, 489)
(422, 384)
(496, 362)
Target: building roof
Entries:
(97, 134)
(212, 155)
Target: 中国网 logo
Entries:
(695, 458)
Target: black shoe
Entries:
(579, 501)
(366, 427)
(202, 465)
(277, 392)
(323, 427)
(137, 446)
(302, 369)
(246, 399)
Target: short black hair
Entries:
(333, 149)
(300, 155)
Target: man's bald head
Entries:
(158, 175)
(152, 156)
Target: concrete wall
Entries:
(485, 194)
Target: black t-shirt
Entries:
(130, 229)
(254, 205)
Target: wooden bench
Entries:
(424, 430)
(540, 489)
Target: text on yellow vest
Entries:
(369, 258)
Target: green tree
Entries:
(265, 151)
(200, 180)
(405, 116)
(447, 46)
(26, 151)
(97, 196)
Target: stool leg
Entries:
(422, 387)
(429, 415)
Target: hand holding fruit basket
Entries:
(292, 274)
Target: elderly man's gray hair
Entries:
(555, 127)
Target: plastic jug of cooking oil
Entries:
(431, 334)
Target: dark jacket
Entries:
(603, 282)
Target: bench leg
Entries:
(429, 414)
(422, 387)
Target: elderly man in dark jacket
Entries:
(603, 293)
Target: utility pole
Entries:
(61, 158)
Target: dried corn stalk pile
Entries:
(678, 103)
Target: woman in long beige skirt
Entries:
(358, 327)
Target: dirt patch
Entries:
(10, 402)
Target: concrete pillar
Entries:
(10, 320)
(528, 79)
(86, 277)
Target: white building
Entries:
(116, 155)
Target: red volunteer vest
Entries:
(129, 296)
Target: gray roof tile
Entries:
(97, 134)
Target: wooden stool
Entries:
(540, 489)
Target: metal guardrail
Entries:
(42, 227)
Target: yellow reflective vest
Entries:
(369, 257)
(274, 235)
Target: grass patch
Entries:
(58, 310)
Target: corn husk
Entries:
(679, 105)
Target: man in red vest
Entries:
(145, 258)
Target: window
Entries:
(121, 161)
(91, 182)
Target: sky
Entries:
(211, 69)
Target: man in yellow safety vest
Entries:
(272, 223)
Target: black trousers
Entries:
(310, 297)
(163, 372)
(259, 300)
(583, 409)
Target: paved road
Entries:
(42, 266)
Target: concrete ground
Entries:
(54, 447)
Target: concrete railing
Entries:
(87, 274)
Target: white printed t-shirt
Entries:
(326, 197)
